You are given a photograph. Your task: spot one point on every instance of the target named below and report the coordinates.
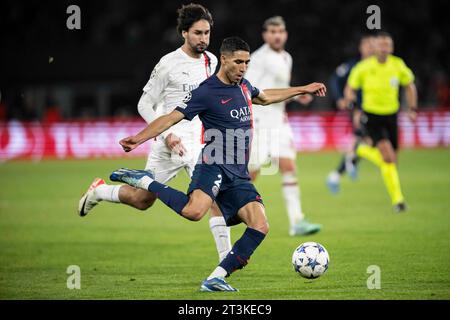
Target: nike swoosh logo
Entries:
(226, 101)
(82, 214)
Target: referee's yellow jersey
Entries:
(380, 83)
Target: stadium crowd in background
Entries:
(98, 71)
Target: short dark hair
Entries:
(383, 34)
(190, 14)
(367, 36)
(273, 21)
(232, 44)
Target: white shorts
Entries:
(272, 139)
(166, 164)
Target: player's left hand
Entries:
(412, 115)
(174, 143)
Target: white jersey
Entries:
(171, 81)
(270, 69)
(273, 136)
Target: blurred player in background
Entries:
(379, 77)
(172, 80)
(271, 67)
(338, 81)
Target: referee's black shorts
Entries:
(381, 127)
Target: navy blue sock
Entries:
(174, 199)
(242, 250)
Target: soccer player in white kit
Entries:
(271, 67)
(171, 81)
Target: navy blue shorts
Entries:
(230, 194)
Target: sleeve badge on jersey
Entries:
(187, 98)
(154, 72)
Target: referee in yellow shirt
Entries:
(379, 77)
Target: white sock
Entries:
(144, 182)
(291, 193)
(218, 272)
(221, 234)
(108, 192)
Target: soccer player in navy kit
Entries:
(224, 104)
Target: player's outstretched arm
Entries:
(269, 96)
(154, 129)
(411, 99)
(349, 94)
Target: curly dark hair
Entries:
(190, 14)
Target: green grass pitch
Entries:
(129, 254)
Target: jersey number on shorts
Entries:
(217, 183)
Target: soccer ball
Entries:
(310, 260)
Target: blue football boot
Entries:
(135, 178)
(333, 182)
(216, 284)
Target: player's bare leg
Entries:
(136, 198)
(253, 215)
(97, 192)
(197, 206)
(292, 197)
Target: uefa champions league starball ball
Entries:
(310, 260)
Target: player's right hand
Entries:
(173, 142)
(316, 88)
(342, 104)
(128, 143)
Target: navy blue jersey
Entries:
(227, 117)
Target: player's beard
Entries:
(277, 45)
(199, 48)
